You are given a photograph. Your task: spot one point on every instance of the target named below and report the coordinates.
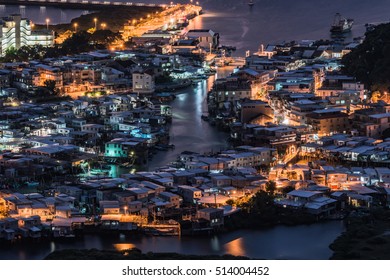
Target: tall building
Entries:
(16, 32)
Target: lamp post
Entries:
(75, 27)
(47, 23)
(103, 25)
(95, 21)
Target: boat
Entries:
(251, 3)
(341, 25)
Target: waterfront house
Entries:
(313, 202)
(155, 187)
(124, 197)
(172, 198)
(63, 212)
(140, 193)
(109, 207)
(214, 216)
(133, 207)
(189, 194)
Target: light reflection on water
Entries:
(280, 242)
(124, 246)
(235, 247)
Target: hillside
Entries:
(370, 61)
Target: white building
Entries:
(15, 32)
(143, 82)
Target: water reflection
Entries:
(215, 246)
(124, 246)
(236, 247)
(298, 242)
(188, 131)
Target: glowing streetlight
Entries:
(134, 21)
(103, 25)
(47, 23)
(95, 21)
(75, 27)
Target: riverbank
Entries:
(112, 18)
(132, 254)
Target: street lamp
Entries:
(47, 23)
(95, 20)
(75, 27)
(103, 25)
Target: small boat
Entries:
(251, 3)
(341, 25)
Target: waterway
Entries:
(247, 27)
(188, 131)
(281, 242)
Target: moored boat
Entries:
(341, 25)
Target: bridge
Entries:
(80, 4)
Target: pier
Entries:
(80, 4)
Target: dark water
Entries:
(267, 21)
(281, 242)
(188, 131)
(40, 14)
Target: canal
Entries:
(280, 242)
(188, 131)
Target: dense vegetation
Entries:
(114, 18)
(370, 61)
(132, 254)
(79, 42)
(367, 237)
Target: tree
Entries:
(230, 202)
(10, 55)
(50, 85)
(370, 61)
(104, 37)
(270, 187)
(78, 43)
